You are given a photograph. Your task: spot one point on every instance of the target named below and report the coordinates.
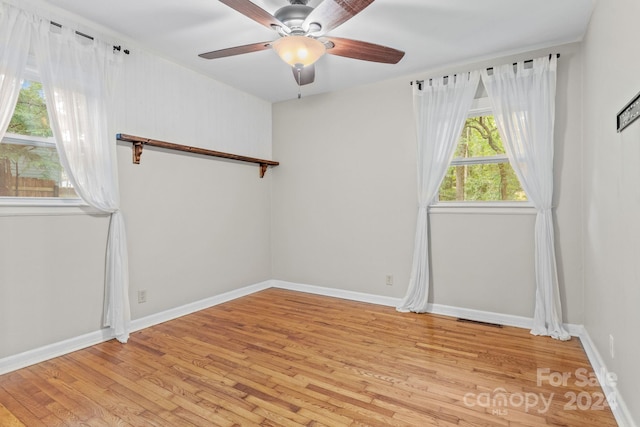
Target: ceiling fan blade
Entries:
(238, 50)
(251, 10)
(331, 13)
(307, 75)
(365, 51)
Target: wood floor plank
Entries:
(63, 397)
(283, 358)
(7, 419)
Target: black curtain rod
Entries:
(118, 48)
(420, 82)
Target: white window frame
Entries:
(481, 107)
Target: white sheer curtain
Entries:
(441, 109)
(523, 102)
(15, 36)
(75, 75)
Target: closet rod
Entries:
(138, 142)
(528, 61)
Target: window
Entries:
(480, 170)
(29, 163)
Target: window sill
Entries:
(10, 206)
(483, 208)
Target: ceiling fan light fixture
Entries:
(299, 51)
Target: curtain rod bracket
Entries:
(119, 48)
(420, 82)
(86, 36)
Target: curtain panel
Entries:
(15, 38)
(440, 109)
(523, 102)
(76, 74)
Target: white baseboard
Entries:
(41, 354)
(31, 357)
(336, 293)
(445, 310)
(183, 310)
(617, 404)
(481, 316)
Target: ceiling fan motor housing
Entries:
(293, 16)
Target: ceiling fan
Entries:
(302, 32)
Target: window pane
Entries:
(32, 171)
(484, 182)
(30, 116)
(29, 165)
(491, 179)
(479, 138)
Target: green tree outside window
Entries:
(482, 180)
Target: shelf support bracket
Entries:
(263, 169)
(137, 152)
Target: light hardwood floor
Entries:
(282, 358)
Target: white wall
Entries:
(344, 201)
(197, 226)
(611, 192)
(51, 279)
(344, 195)
(162, 100)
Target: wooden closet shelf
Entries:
(138, 142)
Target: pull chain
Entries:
(299, 82)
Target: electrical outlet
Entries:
(142, 296)
(389, 280)
(611, 346)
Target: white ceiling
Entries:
(433, 33)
